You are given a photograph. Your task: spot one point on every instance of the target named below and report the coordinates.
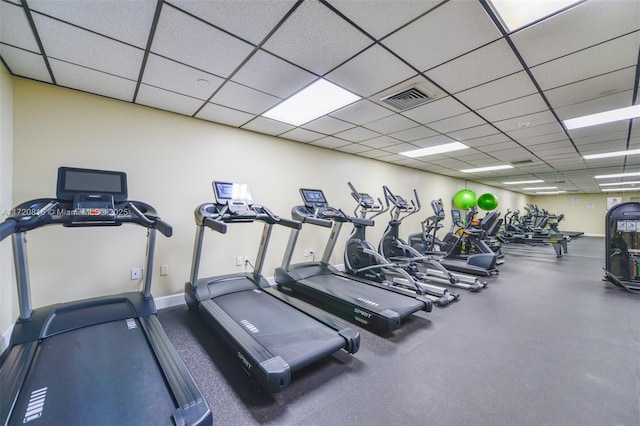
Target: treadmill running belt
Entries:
(282, 330)
(100, 375)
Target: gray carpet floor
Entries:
(547, 343)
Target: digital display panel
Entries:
(73, 181)
(313, 196)
(225, 191)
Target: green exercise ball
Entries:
(487, 201)
(464, 199)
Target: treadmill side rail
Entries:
(12, 375)
(192, 407)
(272, 372)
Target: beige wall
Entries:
(170, 161)
(6, 159)
(583, 212)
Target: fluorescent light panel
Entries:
(617, 175)
(618, 189)
(540, 187)
(438, 149)
(519, 182)
(486, 169)
(518, 13)
(550, 192)
(635, 182)
(611, 154)
(603, 117)
(315, 100)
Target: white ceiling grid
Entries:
(228, 61)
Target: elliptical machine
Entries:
(422, 266)
(362, 260)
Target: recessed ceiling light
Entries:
(438, 149)
(315, 100)
(518, 182)
(540, 187)
(635, 182)
(516, 14)
(203, 82)
(486, 169)
(550, 192)
(618, 189)
(603, 117)
(617, 175)
(611, 154)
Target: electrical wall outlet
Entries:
(308, 252)
(239, 260)
(136, 273)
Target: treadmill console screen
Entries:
(456, 217)
(313, 198)
(227, 191)
(73, 182)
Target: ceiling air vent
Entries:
(407, 98)
(522, 162)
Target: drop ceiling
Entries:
(228, 61)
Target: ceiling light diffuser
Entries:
(516, 14)
(519, 182)
(486, 169)
(438, 149)
(635, 182)
(315, 100)
(611, 154)
(617, 175)
(603, 117)
(540, 187)
(618, 189)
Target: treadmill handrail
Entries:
(7, 228)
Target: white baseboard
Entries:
(594, 235)
(6, 337)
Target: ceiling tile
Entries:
(328, 125)
(269, 74)
(127, 21)
(313, 24)
(603, 58)
(604, 103)
(361, 112)
(529, 132)
(302, 135)
(472, 133)
(357, 134)
(530, 120)
(592, 88)
(386, 16)
(536, 140)
(192, 42)
(243, 98)
(436, 110)
(480, 66)
(414, 133)
(446, 32)
(224, 115)
(400, 147)
(71, 44)
(582, 26)
(488, 140)
(258, 18)
(267, 126)
(390, 124)
(432, 141)
(24, 63)
(462, 121)
(502, 90)
(374, 153)
(329, 142)
(380, 142)
(170, 75)
(353, 148)
(515, 108)
(87, 80)
(389, 71)
(15, 29)
(168, 101)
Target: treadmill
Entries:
(323, 285)
(104, 360)
(272, 334)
